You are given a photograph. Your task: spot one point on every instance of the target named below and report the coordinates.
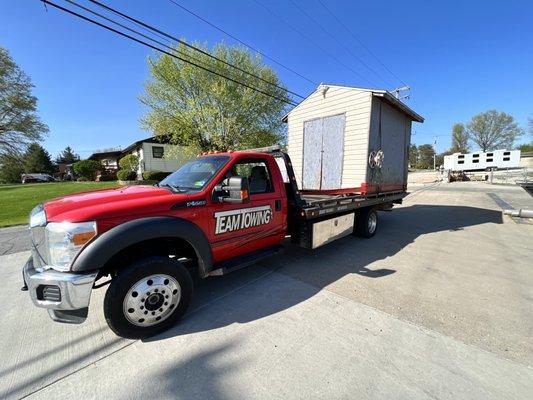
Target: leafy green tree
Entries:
(129, 162)
(197, 108)
(493, 130)
(10, 168)
(413, 156)
(67, 156)
(87, 168)
(459, 139)
(19, 123)
(425, 156)
(37, 160)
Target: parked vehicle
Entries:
(217, 213)
(37, 178)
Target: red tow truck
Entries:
(217, 213)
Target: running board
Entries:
(234, 264)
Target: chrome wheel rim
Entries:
(151, 300)
(372, 222)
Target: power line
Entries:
(333, 57)
(166, 36)
(359, 41)
(164, 51)
(347, 49)
(241, 42)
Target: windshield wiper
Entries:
(171, 186)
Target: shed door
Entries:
(323, 153)
(332, 151)
(312, 154)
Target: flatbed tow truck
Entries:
(217, 213)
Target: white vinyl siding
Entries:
(356, 105)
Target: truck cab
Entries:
(217, 213)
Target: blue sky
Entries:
(459, 57)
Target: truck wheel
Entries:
(366, 223)
(147, 297)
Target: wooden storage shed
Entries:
(350, 140)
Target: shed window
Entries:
(158, 151)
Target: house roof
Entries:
(147, 140)
(384, 94)
(104, 154)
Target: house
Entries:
(150, 151)
(350, 139)
(108, 158)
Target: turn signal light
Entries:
(79, 239)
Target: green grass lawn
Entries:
(16, 201)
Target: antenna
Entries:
(397, 92)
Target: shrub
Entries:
(155, 175)
(87, 168)
(129, 162)
(125, 175)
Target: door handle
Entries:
(278, 205)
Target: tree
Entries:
(87, 169)
(459, 139)
(413, 156)
(36, 159)
(67, 156)
(129, 163)
(19, 123)
(493, 130)
(425, 156)
(199, 109)
(10, 168)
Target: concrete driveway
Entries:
(437, 305)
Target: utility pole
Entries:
(435, 153)
(397, 92)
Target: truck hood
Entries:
(109, 203)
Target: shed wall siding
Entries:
(356, 106)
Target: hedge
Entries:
(125, 175)
(155, 175)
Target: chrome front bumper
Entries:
(66, 295)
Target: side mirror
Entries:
(233, 190)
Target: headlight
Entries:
(37, 216)
(65, 241)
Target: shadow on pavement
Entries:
(321, 267)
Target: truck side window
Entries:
(256, 171)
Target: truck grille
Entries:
(49, 293)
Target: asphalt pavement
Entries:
(436, 306)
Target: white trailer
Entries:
(479, 161)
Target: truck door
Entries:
(243, 228)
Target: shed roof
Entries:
(384, 94)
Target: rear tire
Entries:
(148, 297)
(366, 223)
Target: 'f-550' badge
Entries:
(228, 221)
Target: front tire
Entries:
(148, 297)
(366, 223)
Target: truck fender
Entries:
(105, 246)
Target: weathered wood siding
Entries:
(356, 105)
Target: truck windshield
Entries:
(195, 174)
